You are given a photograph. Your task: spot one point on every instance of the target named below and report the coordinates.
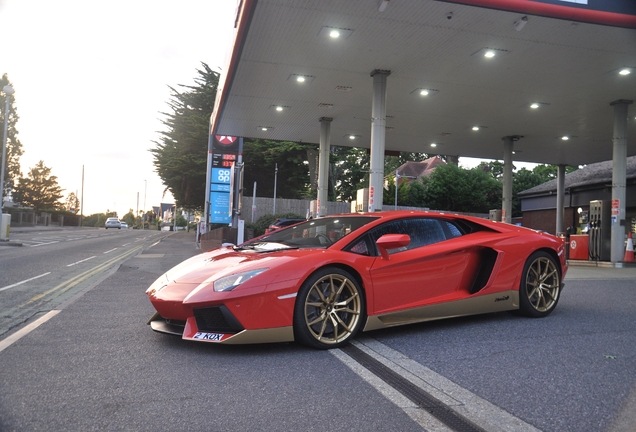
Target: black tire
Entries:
(540, 287)
(330, 309)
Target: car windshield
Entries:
(320, 232)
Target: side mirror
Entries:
(392, 241)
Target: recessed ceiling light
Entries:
(424, 91)
(475, 128)
(534, 105)
(265, 128)
(352, 136)
(624, 72)
(490, 52)
(335, 33)
(301, 78)
(433, 144)
(565, 137)
(280, 107)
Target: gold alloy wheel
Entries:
(542, 284)
(332, 309)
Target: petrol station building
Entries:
(542, 81)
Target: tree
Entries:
(348, 172)
(452, 188)
(129, 218)
(14, 147)
(180, 156)
(40, 189)
(72, 203)
(260, 158)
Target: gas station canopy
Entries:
(463, 75)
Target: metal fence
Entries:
(265, 206)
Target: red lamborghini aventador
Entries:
(322, 281)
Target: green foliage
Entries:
(260, 158)
(39, 190)
(14, 146)
(180, 156)
(455, 189)
(72, 203)
(265, 221)
(181, 221)
(348, 172)
(129, 218)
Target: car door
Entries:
(430, 269)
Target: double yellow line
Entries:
(67, 285)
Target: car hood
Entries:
(212, 265)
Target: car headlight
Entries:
(228, 283)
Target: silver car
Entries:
(112, 223)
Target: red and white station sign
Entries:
(227, 140)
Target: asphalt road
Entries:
(51, 265)
(96, 365)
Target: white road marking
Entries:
(24, 281)
(109, 251)
(81, 261)
(481, 412)
(6, 343)
(42, 244)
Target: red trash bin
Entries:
(579, 247)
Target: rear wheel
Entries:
(329, 309)
(540, 285)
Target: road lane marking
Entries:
(6, 343)
(479, 411)
(24, 281)
(66, 285)
(43, 244)
(109, 251)
(81, 261)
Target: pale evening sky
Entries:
(91, 79)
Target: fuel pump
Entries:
(600, 230)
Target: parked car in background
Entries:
(112, 223)
(124, 225)
(282, 223)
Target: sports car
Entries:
(322, 281)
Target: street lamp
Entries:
(397, 176)
(143, 219)
(8, 91)
(275, 179)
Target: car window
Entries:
(422, 231)
(320, 232)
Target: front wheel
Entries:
(540, 285)
(329, 309)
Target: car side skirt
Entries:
(497, 302)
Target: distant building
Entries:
(590, 183)
(416, 170)
(165, 212)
